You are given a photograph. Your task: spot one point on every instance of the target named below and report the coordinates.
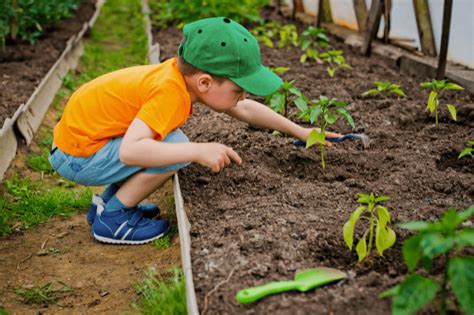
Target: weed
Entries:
(39, 162)
(385, 88)
(165, 241)
(384, 236)
(44, 294)
(336, 61)
(322, 112)
(159, 295)
(5, 217)
(436, 87)
(467, 150)
(444, 238)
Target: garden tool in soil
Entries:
(304, 281)
(356, 136)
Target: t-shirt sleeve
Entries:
(164, 110)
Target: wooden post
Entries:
(361, 14)
(387, 8)
(373, 23)
(443, 52)
(425, 30)
(324, 13)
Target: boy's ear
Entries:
(204, 82)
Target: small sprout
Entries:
(336, 61)
(384, 236)
(283, 97)
(322, 112)
(288, 36)
(445, 238)
(385, 88)
(467, 150)
(436, 87)
(265, 33)
(310, 39)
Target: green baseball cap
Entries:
(223, 47)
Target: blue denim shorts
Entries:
(104, 167)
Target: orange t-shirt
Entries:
(105, 107)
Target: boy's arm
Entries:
(258, 114)
(139, 148)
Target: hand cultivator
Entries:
(357, 136)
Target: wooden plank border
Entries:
(425, 29)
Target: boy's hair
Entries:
(188, 69)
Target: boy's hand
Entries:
(216, 156)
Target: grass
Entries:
(44, 294)
(162, 295)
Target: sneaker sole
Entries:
(125, 242)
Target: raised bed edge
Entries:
(183, 222)
(27, 119)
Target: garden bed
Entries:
(23, 66)
(279, 212)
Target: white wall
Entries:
(403, 24)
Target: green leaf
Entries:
(348, 229)
(454, 87)
(426, 84)
(465, 237)
(465, 151)
(412, 252)
(415, 225)
(466, 214)
(384, 215)
(331, 118)
(414, 293)
(331, 71)
(435, 244)
(361, 248)
(390, 292)
(294, 90)
(452, 111)
(303, 58)
(313, 116)
(432, 101)
(315, 137)
(363, 198)
(399, 92)
(380, 235)
(301, 104)
(267, 41)
(370, 92)
(344, 113)
(461, 275)
(381, 199)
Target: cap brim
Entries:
(262, 82)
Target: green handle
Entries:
(250, 295)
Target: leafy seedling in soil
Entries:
(45, 294)
(378, 217)
(443, 239)
(283, 97)
(336, 61)
(322, 112)
(467, 150)
(309, 40)
(385, 88)
(288, 36)
(266, 32)
(436, 87)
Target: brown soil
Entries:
(279, 212)
(23, 66)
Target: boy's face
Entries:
(219, 96)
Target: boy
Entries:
(122, 129)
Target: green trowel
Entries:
(304, 281)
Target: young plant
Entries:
(45, 294)
(266, 32)
(385, 88)
(322, 112)
(288, 36)
(378, 218)
(310, 39)
(445, 239)
(336, 61)
(283, 97)
(436, 87)
(467, 150)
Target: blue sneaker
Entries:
(127, 226)
(150, 210)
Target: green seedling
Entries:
(443, 239)
(266, 32)
(385, 88)
(378, 217)
(436, 87)
(467, 150)
(310, 39)
(279, 70)
(283, 97)
(45, 294)
(336, 61)
(322, 112)
(288, 36)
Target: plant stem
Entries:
(286, 103)
(322, 155)
(436, 117)
(371, 235)
(444, 284)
